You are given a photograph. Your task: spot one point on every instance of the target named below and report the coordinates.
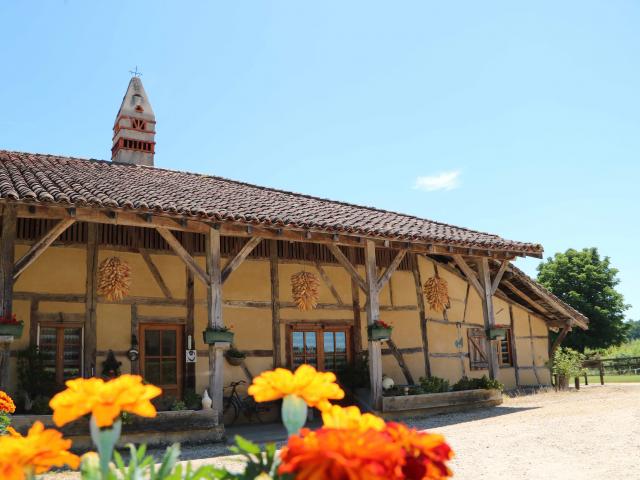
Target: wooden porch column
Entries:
(489, 316)
(214, 316)
(7, 244)
(90, 326)
(373, 314)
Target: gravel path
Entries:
(593, 433)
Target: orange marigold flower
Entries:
(351, 417)
(35, 453)
(316, 388)
(6, 403)
(426, 454)
(104, 400)
(341, 454)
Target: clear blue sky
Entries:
(526, 113)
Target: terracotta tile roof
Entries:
(73, 181)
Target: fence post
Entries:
(601, 373)
(576, 382)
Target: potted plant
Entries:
(234, 356)
(566, 363)
(218, 334)
(10, 326)
(379, 330)
(497, 333)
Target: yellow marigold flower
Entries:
(6, 403)
(351, 417)
(35, 453)
(104, 400)
(316, 388)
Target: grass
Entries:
(595, 379)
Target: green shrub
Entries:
(355, 375)
(178, 406)
(567, 362)
(484, 382)
(192, 400)
(434, 385)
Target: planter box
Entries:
(11, 329)
(186, 426)
(216, 336)
(432, 403)
(378, 333)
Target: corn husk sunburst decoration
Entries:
(114, 279)
(305, 288)
(437, 292)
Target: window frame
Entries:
(478, 350)
(59, 354)
(319, 331)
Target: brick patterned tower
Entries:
(135, 128)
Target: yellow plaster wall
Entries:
(62, 270)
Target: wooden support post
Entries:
(514, 350)
(90, 326)
(7, 249)
(373, 314)
(489, 316)
(533, 351)
(601, 371)
(355, 302)
(135, 364)
(415, 269)
(190, 370)
(576, 382)
(559, 339)
(275, 303)
(214, 316)
(40, 246)
(496, 280)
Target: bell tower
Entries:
(135, 128)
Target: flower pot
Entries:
(379, 333)
(497, 333)
(235, 361)
(217, 336)
(11, 329)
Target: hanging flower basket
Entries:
(211, 336)
(497, 333)
(379, 331)
(11, 327)
(234, 357)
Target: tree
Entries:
(587, 283)
(634, 330)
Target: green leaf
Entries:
(246, 445)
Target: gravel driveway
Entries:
(593, 433)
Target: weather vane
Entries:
(135, 72)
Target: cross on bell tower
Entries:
(135, 126)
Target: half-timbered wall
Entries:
(53, 289)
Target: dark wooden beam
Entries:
(468, 273)
(155, 273)
(395, 263)
(275, 303)
(415, 270)
(180, 251)
(496, 279)
(327, 281)
(40, 246)
(348, 266)
(7, 249)
(90, 326)
(559, 339)
(240, 257)
(397, 354)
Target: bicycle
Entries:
(233, 405)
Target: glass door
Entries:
(161, 357)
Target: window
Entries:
(477, 349)
(138, 124)
(503, 347)
(325, 348)
(61, 345)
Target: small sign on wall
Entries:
(190, 356)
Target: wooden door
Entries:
(161, 358)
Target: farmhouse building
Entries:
(200, 252)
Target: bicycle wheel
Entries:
(230, 411)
